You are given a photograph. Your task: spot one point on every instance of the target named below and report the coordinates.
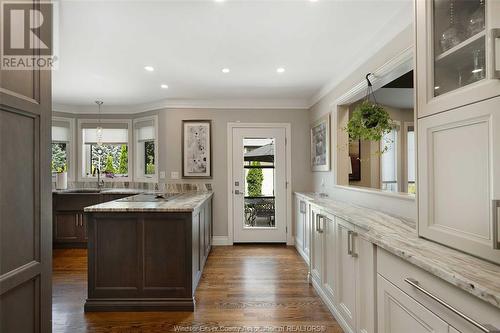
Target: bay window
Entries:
(108, 154)
(146, 148)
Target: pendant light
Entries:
(99, 127)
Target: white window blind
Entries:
(145, 130)
(60, 131)
(111, 133)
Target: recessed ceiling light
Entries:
(164, 86)
(280, 70)
(225, 70)
(149, 68)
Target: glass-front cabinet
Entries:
(457, 62)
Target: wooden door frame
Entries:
(288, 172)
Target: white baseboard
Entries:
(221, 240)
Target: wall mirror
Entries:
(393, 170)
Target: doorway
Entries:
(258, 184)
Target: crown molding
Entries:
(239, 104)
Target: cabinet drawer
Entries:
(75, 201)
(396, 270)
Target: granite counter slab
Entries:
(184, 202)
(130, 191)
(477, 277)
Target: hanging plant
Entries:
(369, 121)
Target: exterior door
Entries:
(259, 185)
(25, 190)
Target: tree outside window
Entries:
(59, 156)
(111, 159)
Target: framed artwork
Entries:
(355, 158)
(196, 148)
(320, 144)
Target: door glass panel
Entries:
(260, 174)
(459, 44)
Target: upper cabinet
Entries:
(457, 58)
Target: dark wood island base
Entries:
(147, 260)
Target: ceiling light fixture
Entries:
(164, 86)
(280, 70)
(225, 70)
(149, 68)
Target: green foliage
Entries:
(109, 165)
(58, 163)
(369, 122)
(149, 157)
(150, 167)
(255, 177)
(123, 165)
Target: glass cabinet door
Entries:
(459, 44)
(455, 49)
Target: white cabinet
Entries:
(397, 312)
(302, 227)
(456, 59)
(355, 279)
(459, 178)
(317, 241)
(330, 257)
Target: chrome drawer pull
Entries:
(483, 327)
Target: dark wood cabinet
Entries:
(69, 225)
(153, 263)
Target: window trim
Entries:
(70, 148)
(137, 176)
(81, 158)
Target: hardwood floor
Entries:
(253, 287)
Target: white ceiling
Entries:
(401, 98)
(104, 46)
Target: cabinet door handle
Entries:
(486, 328)
(350, 243)
(320, 220)
(495, 37)
(81, 220)
(496, 224)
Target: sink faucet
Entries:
(100, 182)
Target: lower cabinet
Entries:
(316, 260)
(398, 312)
(302, 228)
(69, 228)
(355, 278)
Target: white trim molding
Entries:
(221, 241)
(240, 104)
(288, 152)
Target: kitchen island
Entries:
(146, 253)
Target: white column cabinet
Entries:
(302, 228)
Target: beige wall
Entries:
(170, 159)
(398, 206)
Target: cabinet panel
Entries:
(299, 224)
(317, 246)
(66, 227)
(346, 277)
(330, 258)
(366, 276)
(460, 150)
(397, 312)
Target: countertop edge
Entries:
(466, 284)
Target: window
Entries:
(62, 129)
(389, 162)
(111, 157)
(146, 148)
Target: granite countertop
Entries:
(130, 191)
(184, 202)
(478, 277)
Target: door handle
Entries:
(350, 243)
(320, 220)
(495, 37)
(496, 226)
(483, 327)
